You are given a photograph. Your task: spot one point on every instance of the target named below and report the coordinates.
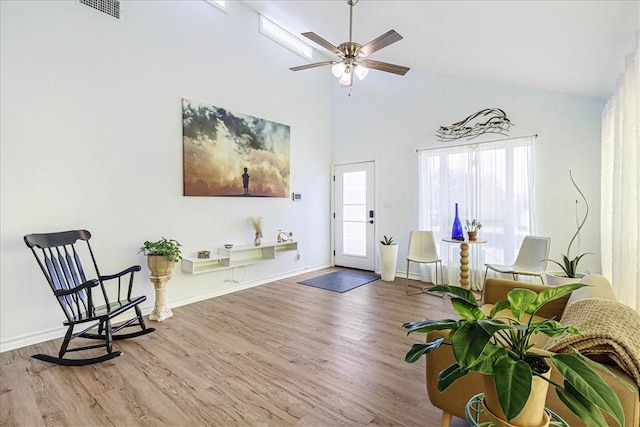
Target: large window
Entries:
(490, 181)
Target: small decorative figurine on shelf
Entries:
(256, 222)
(283, 236)
(472, 228)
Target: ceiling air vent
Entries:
(110, 7)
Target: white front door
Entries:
(354, 216)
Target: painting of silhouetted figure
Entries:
(245, 182)
(220, 146)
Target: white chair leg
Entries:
(441, 276)
(422, 290)
(406, 291)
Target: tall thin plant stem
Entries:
(586, 214)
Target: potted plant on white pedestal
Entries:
(161, 258)
(388, 252)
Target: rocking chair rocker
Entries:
(59, 259)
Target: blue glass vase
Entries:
(456, 230)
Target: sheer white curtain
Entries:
(620, 221)
(490, 181)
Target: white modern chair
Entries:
(531, 260)
(422, 250)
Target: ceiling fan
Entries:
(353, 55)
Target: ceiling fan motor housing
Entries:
(350, 49)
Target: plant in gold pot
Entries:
(162, 255)
(499, 345)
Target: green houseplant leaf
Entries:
(585, 409)
(468, 343)
(520, 300)
(456, 291)
(449, 375)
(554, 293)
(588, 384)
(429, 325)
(467, 310)
(512, 379)
(498, 307)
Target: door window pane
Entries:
(354, 198)
(354, 238)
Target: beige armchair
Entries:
(453, 400)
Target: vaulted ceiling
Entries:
(574, 46)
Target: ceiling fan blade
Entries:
(385, 66)
(322, 42)
(314, 65)
(383, 41)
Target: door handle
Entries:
(370, 221)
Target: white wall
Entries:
(388, 117)
(91, 138)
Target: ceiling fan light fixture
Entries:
(347, 78)
(361, 71)
(338, 69)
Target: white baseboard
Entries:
(30, 339)
(242, 286)
(55, 333)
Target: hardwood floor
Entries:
(280, 354)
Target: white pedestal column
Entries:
(160, 310)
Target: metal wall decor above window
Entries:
(489, 120)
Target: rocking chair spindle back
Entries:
(59, 258)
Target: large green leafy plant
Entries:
(500, 344)
(169, 248)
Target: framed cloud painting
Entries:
(233, 154)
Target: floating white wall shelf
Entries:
(236, 257)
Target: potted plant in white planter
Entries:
(388, 252)
(569, 266)
(162, 255)
(500, 346)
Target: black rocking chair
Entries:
(59, 259)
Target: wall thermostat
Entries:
(297, 197)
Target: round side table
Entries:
(464, 258)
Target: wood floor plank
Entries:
(280, 354)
